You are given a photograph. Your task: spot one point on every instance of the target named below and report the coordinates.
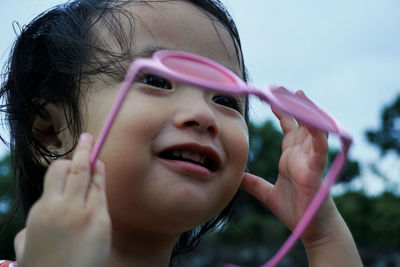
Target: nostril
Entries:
(191, 123)
(198, 121)
(213, 130)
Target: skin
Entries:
(132, 214)
(156, 119)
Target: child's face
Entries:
(145, 188)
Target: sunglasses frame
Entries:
(174, 65)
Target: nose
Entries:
(195, 113)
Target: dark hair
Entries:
(53, 57)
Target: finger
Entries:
(54, 179)
(79, 173)
(19, 244)
(300, 93)
(97, 188)
(257, 187)
(311, 129)
(319, 140)
(287, 122)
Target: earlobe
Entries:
(49, 124)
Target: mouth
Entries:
(197, 155)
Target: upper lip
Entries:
(213, 158)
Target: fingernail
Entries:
(85, 137)
(100, 166)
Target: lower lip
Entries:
(188, 168)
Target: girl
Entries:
(175, 156)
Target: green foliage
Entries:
(10, 229)
(262, 228)
(350, 170)
(385, 220)
(372, 220)
(387, 137)
(7, 236)
(265, 153)
(5, 179)
(265, 150)
(355, 208)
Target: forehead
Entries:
(180, 25)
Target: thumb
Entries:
(19, 244)
(257, 187)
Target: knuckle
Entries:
(80, 167)
(325, 147)
(66, 216)
(84, 146)
(75, 220)
(102, 223)
(60, 163)
(42, 213)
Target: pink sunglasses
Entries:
(206, 74)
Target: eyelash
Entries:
(152, 80)
(234, 102)
(230, 101)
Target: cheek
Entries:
(237, 146)
(235, 142)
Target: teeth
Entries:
(176, 153)
(189, 155)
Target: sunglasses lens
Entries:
(198, 69)
(304, 110)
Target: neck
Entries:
(142, 249)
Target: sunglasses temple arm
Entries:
(329, 180)
(123, 91)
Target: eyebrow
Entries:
(148, 51)
(143, 52)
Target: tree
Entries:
(5, 180)
(265, 153)
(372, 220)
(8, 228)
(349, 171)
(265, 150)
(387, 137)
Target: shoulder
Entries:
(4, 263)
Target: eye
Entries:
(229, 101)
(154, 81)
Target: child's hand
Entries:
(303, 160)
(69, 225)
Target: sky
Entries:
(344, 54)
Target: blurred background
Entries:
(345, 55)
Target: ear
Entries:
(50, 128)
